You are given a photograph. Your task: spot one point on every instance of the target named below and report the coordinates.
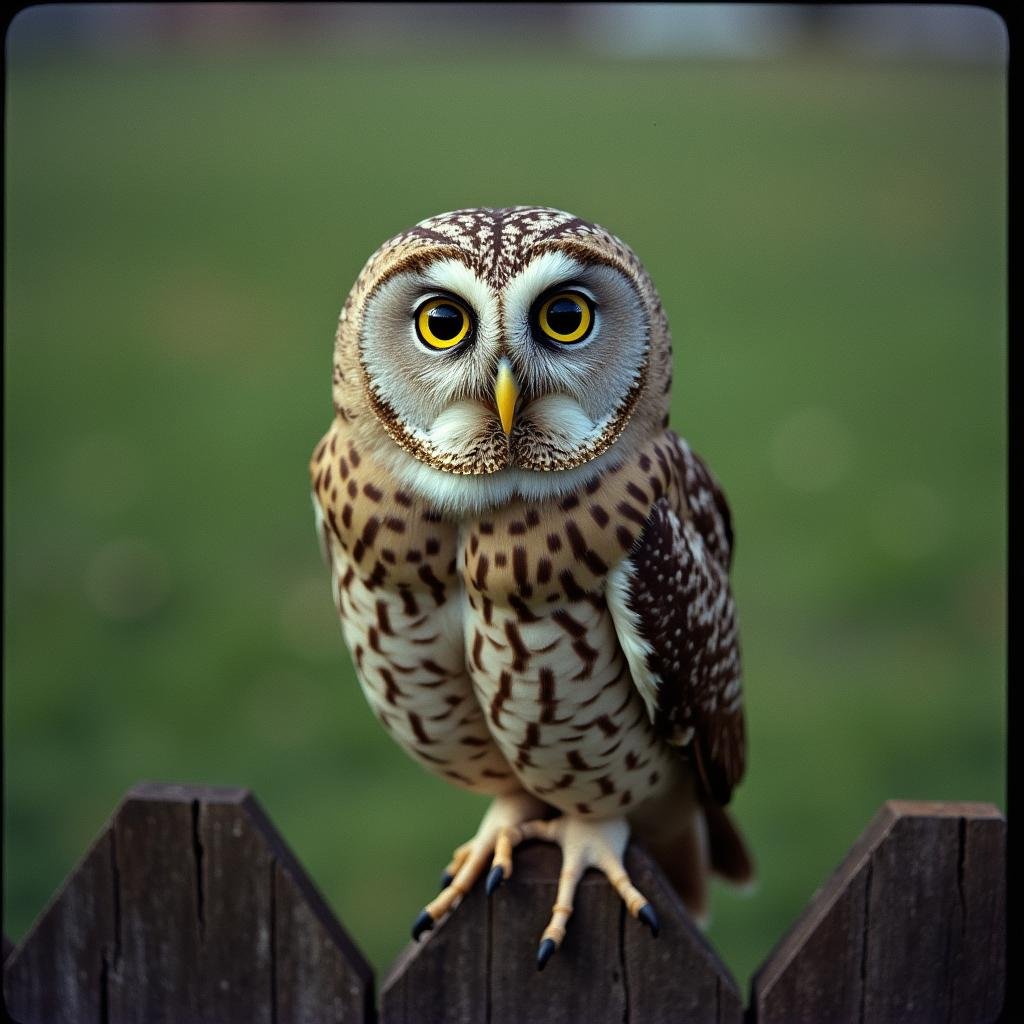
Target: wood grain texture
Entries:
(189, 907)
(677, 977)
(444, 976)
(585, 979)
(320, 977)
(175, 916)
(480, 963)
(59, 972)
(910, 927)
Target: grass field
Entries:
(829, 241)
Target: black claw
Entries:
(495, 878)
(544, 954)
(446, 879)
(649, 918)
(422, 924)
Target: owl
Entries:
(531, 570)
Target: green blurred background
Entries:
(827, 231)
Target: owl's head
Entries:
(487, 354)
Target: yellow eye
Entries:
(442, 323)
(565, 317)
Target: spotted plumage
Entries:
(530, 569)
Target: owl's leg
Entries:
(470, 859)
(585, 844)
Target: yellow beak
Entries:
(506, 394)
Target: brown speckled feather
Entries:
(680, 592)
(397, 591)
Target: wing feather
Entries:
(676, 619)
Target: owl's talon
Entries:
(422, 924)
(469, 862)
(649, 918)
(495, 878)
(586, 844)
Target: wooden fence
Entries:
(189, 907)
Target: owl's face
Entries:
(489, 353)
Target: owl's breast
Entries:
(534, 555)
(542, 648)
(560, 702)
(400, 601)
(389, 536)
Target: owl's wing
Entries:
(676, 622)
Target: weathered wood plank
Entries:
(190, 907)
(677, 977)
(443, 978)
(979, 971)
(828, 932)
(59, 971)
(320, 976)
(236, 959)
(174, 916)
(913, 917)
(585, 979)
(910, 927)
(480, 964)
(314, 981)
(156, 977)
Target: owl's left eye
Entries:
(565, 317)
(442, 323)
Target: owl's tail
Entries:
(729, 855)
(694, 846)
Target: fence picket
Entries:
(176, 915)
(190, 908)
(910, 927)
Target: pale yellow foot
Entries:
(585, 844)
(469, 860)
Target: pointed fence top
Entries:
(910, 927)
(188, 907)
(480, 963)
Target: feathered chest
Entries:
(532, 556)
(542, 647)
(388, 538)
(516, 598)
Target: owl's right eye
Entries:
(442, 323)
